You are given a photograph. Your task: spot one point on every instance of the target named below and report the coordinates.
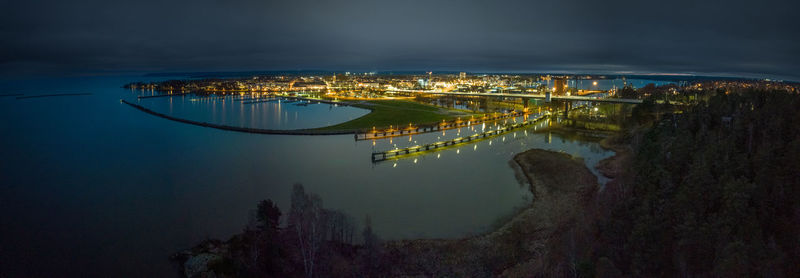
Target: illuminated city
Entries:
(399, 139)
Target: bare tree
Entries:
(372, 249)
(341, 227)
(308, 220)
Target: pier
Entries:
(258, 101)
(210, 97)
(318, 100)
(251, 99)
(432, 128)
(397, 153)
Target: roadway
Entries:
(568, 98)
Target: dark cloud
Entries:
(755, 38)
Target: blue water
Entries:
(233, 111)
(608, 84)
(93, 187)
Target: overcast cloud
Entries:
(754, 38)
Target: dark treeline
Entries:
(711, 192)
(315, 242)
(667, 92)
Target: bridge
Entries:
(524, 96)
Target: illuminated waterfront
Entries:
(146, 187)
(142, 187)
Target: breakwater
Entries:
(239, 129)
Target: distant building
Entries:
(462, 75)
(309, 85)
(559, 86)
(423, 83)
(370, 84)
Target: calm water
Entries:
(93, 187)
(608, 84)
(232, 110)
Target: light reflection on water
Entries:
(608, 84)
(508, 144)
(265, 115)
(108, 188)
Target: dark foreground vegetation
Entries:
(704, 190)
(316, 242)
(711, 192)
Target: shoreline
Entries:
(517, 247)
(533, 241)
(612, 167)
(317, 131)
(310, 132)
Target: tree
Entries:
(715, 190)
(259, 251)
(268, 215)
(307, 220)
(372, 249)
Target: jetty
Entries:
(209, 97)
(397, 153)
(249, 99)
(380, 134)
(318, 100)
(257, 101)
(236, 128)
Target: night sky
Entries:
(740, 38)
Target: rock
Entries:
(197, 266)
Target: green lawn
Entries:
(398, 112)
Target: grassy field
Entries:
(398, 112)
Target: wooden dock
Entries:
(380, 134)
(258, 101)
(397, 153)
(252, 99)
(318, 100)
(209, 97)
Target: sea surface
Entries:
(92, 187)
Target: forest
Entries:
(710, 192)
